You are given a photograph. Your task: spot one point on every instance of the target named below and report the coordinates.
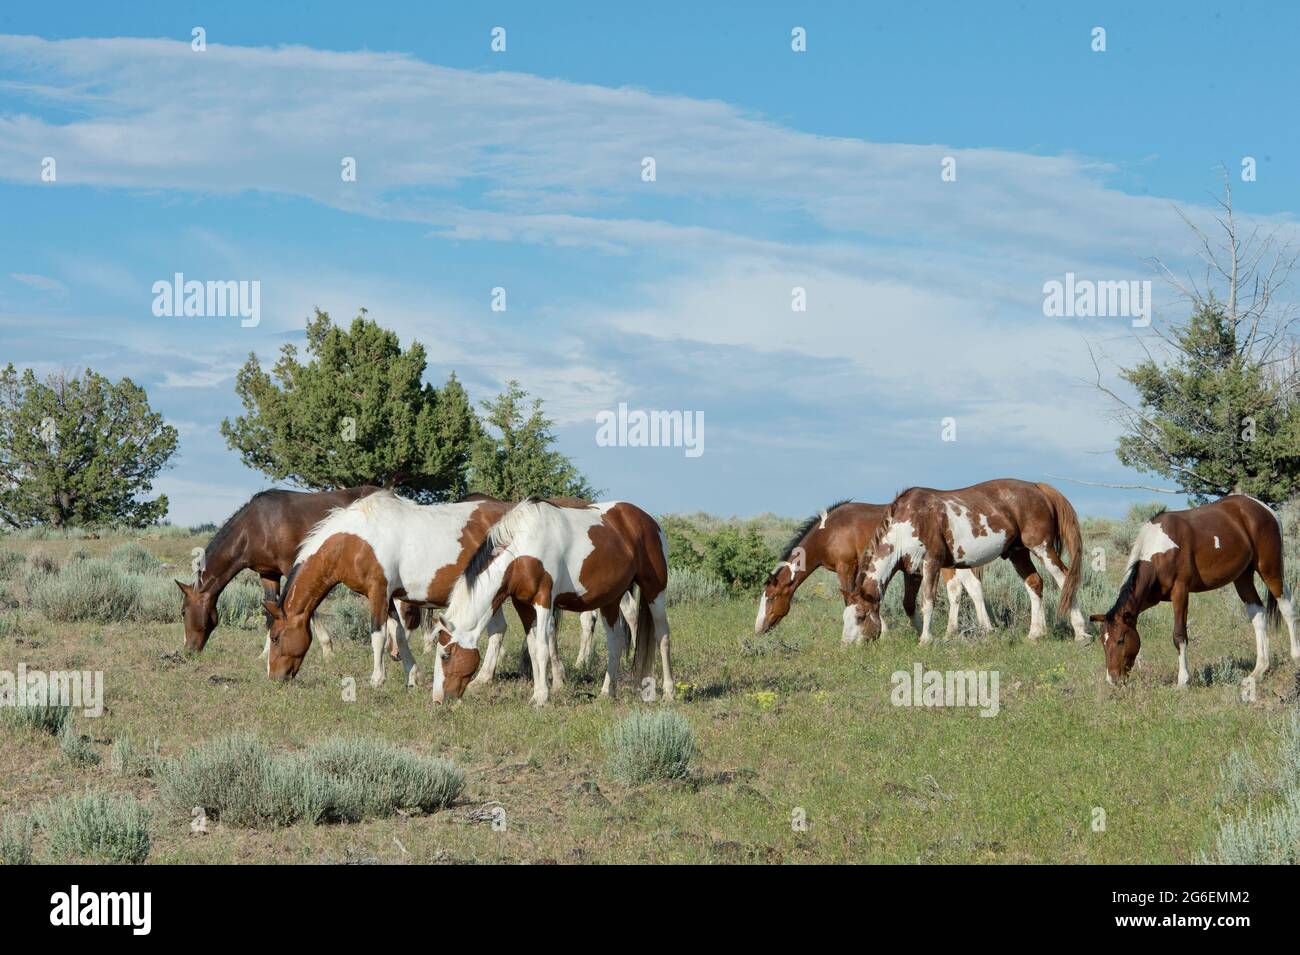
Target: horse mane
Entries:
(1126, 589)
(805, 527)
(523, 515)
(323, 529)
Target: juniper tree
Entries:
(79, 450)
(1217, 398)
(356, 411)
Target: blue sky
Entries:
(522, 170)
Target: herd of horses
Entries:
(450, 568)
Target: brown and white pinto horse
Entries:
(925, 530)
(1178, 553)
(567, 557)
(835, 539)
(385, 548)
(264, 535)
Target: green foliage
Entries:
(693, 586)
(96, 827)
(1214, 418)
(357, 411)
(683, 552)
(10, 563)
(16, 836)
(134, 558)
(92, 590)
(79, 750)
(242, 782)
(240, 604)
(127, 759)
(44, 717)
(79, 450)
(651, 744)
(349, 618)
(738, 558)
(514, 457)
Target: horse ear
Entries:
(1098, 618)
(273, 609)
(186, 589)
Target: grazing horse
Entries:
(1178, 553)
(551, 556)
(385, 548)
(264, 535)
(925, 530)
(835, 539)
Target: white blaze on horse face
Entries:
(1150, 540)
(973, 541)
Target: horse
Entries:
(263, 535)
(386, 548)
(586, 620)
(925, 530)
(1178, 553)
(835, 538)
(569, 557)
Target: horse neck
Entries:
(309, 585)
(471, 605)
(813, 545)
(220, 569)
(1141, 595)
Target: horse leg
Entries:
(496, 630)
(1178, 597)
(538, 648)
(659, 612)
(378, 636)
(557, 663)
(1269, 566)
(1051, 559)
(971, 582)
(911, 585)
(586, 643)
(1034, 586)
(271, 591)
(929, 585)
(616, 637)
(952, 587)
(397, 637)
(1255, 611)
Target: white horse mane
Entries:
(381, 504)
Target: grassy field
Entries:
(789, 726)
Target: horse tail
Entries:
(643, 657)
(1067, 533)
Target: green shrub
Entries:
(240, 605)
(126, 759)
(87, 590)
(134, 558)
(693, 586)
(45, 717)
(10, 563)
(156, 598)
(738, 558)
(16, 835)
(377, 779)
(242, 782)
(683, 554)
(9, 625)
(96, 827)
(349, 617)
(651, 744)
(79, 750)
